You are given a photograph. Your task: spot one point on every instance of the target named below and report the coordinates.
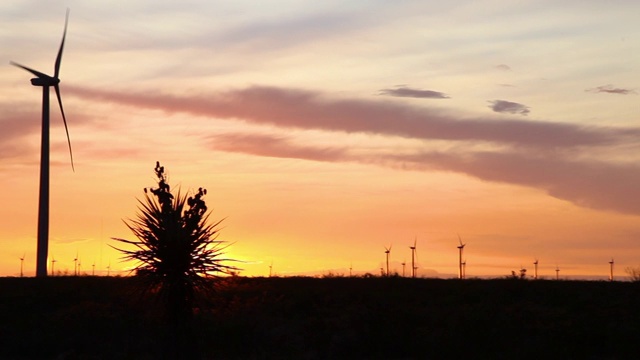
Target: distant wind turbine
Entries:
(460, 249)
(53, 264)
(93, 269)
(464, 269)
(22, 264)
(611, 270)
(350, 269)
(109, 268)
(75, 265)
(46, 81)
(388, 252)
(535, 269)
(270, 268)
(413, 257)
(557, 273)
(404, 263)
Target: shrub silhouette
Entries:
(177, 253)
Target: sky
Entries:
(327, 131)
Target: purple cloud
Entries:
(414, 93)
(590, 184)
(503, 106)
(300, 109)
(609, 89)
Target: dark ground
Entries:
(330, 318)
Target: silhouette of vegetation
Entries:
(177, 251)
(634, 273)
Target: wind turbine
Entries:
(388, 252)
(611, 270)
(557, 273)
(22, 263)
(53, 264)
(75, 265)
(413, 257)
(460, 249)
(464, 269)
(270, 268)
(46, 81)
(350, 269)
(93, 269)
(404, 263)
(535, 269)
(109, 268)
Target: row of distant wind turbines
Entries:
(414, 268)
(462, 264)
(77, 265)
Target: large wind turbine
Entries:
(46, 81)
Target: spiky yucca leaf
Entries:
(176, 247)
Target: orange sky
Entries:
(324, 133)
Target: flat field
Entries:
(327, 318)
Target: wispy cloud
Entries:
(591, 184)
(503, 67)
(301, 109)
(272, 146)
(610, 89)
(551, 168)
(414, 93)
(503, 106)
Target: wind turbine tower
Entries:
(535, 269)
(460, 249)
(46, 81)
(22, 264)
(557, 273)
(464, 269)
(413, 258)
(611, 270)
(388, 252)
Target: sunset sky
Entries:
(325, 131)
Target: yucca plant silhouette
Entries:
(176, 252)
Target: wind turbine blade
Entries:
(64, 119)
(59, 57)
(34, 72)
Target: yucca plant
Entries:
(177, 252)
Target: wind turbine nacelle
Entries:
(42, 81)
